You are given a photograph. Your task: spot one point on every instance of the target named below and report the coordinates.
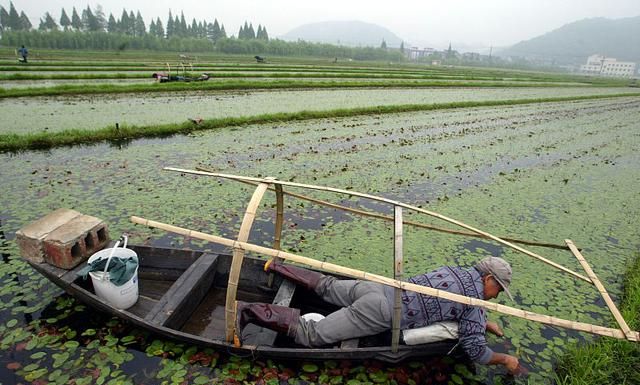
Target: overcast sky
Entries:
(426, 23)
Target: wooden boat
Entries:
(191, 296)
(182, 296)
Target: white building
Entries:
(416, 53)
(608, 66)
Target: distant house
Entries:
(471, 56)
(415, 53)
(608, 66)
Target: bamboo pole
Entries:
(605, 295)
(393, 203)
(279, 225)
(406, 222)
(279, 216)
(236, 263)
(329, 267)
(397, 275)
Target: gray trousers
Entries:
(365, 311)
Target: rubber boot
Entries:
(281, 319)
(303, 277)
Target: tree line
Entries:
(91, 29)
(89, 20)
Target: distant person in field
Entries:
(23, 53)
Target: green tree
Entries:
(159, 28)
(132, 24)
(76, 22)
(251, 33)
(123, 23)
(383, 45)
(4, 18)
(48, 23)
(223, 33)
(140, 28)
(65, 22)
(215, 32)
(152, 28)
(14, 18)
(402, 47)
(262, 33)
(183, 25)
(193, 29)
(25, 23)
(177, 27)
(170, 26)
(112, 24)
(100, 19)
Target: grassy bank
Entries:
(44, 140)
(249, 85)
(608, 361)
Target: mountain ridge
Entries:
(350, 33)
(572, 43)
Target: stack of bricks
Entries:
(63, 238)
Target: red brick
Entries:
(74, 241)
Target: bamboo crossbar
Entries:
(391, 202)
(406, 222)
(353, 273)
(603, 292)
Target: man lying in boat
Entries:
(368, 307)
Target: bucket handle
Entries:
(113, 250)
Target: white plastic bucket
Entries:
(120, 297)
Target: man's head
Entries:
(496, 276)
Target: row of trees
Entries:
(12, 20)
(92, 30)
(128, 23)
(99, 40)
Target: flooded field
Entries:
(37, 114)
(547, 171)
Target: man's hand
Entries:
(510, 362)
(494, 328)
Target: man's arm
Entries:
(510, 362)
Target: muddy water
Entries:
(50, 114)
(535, 172)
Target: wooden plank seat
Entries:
(177, 304)
(256, 335)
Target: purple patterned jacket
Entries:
(420, 310)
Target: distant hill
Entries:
(350, 33)
(574, 42)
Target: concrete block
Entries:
(74, 241)
(30, 238)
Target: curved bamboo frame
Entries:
(391, 202)
(236, 264)
(329, 267)
(406, 222)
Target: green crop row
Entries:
(83, 89)
(18, 142)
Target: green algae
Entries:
(547, 172)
